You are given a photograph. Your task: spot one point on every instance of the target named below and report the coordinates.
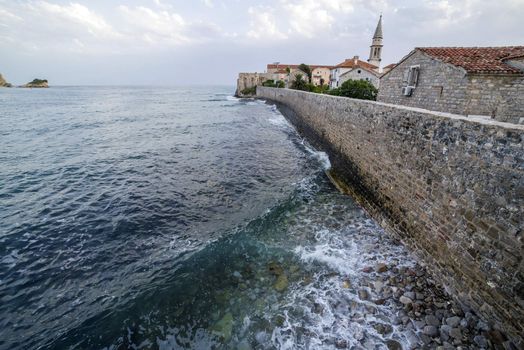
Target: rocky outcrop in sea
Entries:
(3, 82)
(37, 83)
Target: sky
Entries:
(208, 42)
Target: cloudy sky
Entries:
(188, 42)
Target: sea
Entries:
(177, 218)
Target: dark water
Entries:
(173, 218)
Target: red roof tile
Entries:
(354, 63)
(479, 60)
(390, 66)
(295, 66)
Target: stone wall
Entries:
(248, 80)
(450, 187)
(446, 88)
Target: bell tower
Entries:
(376, 45)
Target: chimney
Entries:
(355, 58)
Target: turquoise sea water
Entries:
(171, 218)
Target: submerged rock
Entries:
(393, 345)
(282, 283)
(275, 269)
(381, 267)
(223, 328)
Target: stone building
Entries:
(320, 73)
(249, 80)
(472, 81)
(355, 69)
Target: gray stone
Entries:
(431, 331)
(480, 341)
(432, 320)
(393, 345)
(410, 295)
(405, 300)
(453, 321)
(455, 333)
(363, 294)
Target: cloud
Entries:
(263, 24)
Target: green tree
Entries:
(299, 83)
(361, 89)
(307, 71)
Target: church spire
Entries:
(376, 45)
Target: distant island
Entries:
(3, 82)
(36, 83)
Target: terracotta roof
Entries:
(390, 66)
(479, 60)
(356, 63)
(295, 66)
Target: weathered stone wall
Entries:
(446, 88)
(248, 80)
(450, 187)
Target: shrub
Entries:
(280, 84)
(269, 83)
(249, 91)
(361, 89)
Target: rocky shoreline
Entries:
(428, 315)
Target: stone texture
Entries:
(447, 88)
(449, 187)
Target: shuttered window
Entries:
(412, 76)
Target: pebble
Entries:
(453, 321)
(393, 345)
(405, 300)
(381, 267)
(432, 331)
(363, 294)
(455, 333)
(432, 320)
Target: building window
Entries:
(359, 71)
(410, 80)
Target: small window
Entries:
(359, 71)
(412, 76)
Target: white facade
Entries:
(358, 74)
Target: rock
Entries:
(37, 83)
(432, 320)
(455, 333)
(431, 331)
(378, 285)
(341, 344)
(381, 267)
(382, 328)
(405, 300)
(3, 83)
(367, 269)
(412, 339)
(363, 294)
(224, 327)
(380, 301)
(480, 341)
(275, 269)
(393, 344)
(346, 284)
(281, 283)
(410, 295)
(453, 321)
